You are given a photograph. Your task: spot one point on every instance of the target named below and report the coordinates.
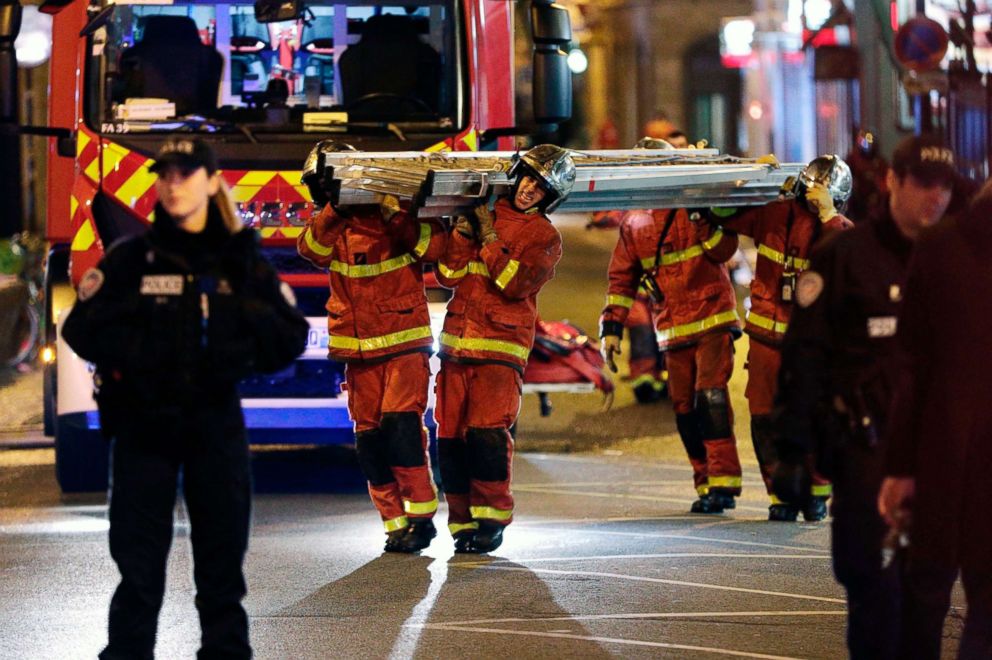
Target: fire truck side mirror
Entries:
(552, 29)
(275, 11)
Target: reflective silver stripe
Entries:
(479, 344)
(424, 242)
(767, 323)
(511, 269)
(622, 301)
(687, 329)
(781, 259)
(377, 343)
(314, 244)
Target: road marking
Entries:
(662, 555)
(609, 640)
(640, 615)
(585, 484)
(648, 498)
(638, 578)
(707, 539)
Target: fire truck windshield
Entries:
(164, 66)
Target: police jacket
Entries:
(838, 354)
(692, 276)
(377, 307)
(176, 319)
(492, 316)
(784, 232)
(940, 428)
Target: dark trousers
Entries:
(873, 593)
(209, 446)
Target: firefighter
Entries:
(837, 376)
(496, 266)
(784, 232)
(378, 325)
(938, 453)
(681, 264)
(173, 319)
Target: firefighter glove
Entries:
(769, 159)
(389, 206)
(486, 220)
(610, 347)
(464, 227)
(819, 197)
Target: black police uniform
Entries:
(834, 389)
(172, 320)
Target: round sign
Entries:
(921, 43)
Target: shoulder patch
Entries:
(808, 288)
(90, 283)
(287, 293)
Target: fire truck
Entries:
(262, 82)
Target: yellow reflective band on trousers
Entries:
(511, 269)
(473, 268)
(825, 490)
(689, 329)
(489, 513)
(724, 482)
(454, 528)
(702, 490)
(622, 301)
(647, 378)
(425, 240)
(420, 508)
(315, 246)
(378, 343)
(781, 259)
(396, 524)
(478, 344)
(767, 323)
(371, 270)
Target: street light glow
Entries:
(33, 45)
(577, 61)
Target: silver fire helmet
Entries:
(647, 142)
(829, 171)
(553, 168)
(313, 174)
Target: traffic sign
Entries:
(921, 43)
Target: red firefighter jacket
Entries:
(784, 232)
(377, 306)
(492, 315)
(698, 295)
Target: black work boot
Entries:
(487, 538)
(648, 392)
(708, 503)
(727, 500)
(418, 535)
(816, 509)
(394, 540)
(463, 541)
(783, 512)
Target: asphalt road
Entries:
(602, 562)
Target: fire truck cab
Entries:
(262, 82)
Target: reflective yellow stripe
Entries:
(781, 259)
(490, 513)
(377, 343)
(316, 247)
(647, 378)
(622, 301)
(687, 329)
(670, 258)
(371, 270)
(424, 242)
(478, 344)
(774, 499)
(724, 482)
(767, 323)
(825, 490)
(396, 523)
(473, 268)
(420, 507)
(712, 241)
(702, 490)
(454, 528)
(508, 273)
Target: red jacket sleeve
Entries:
(746, 220)
(520, 269)
(452, 265)
(316, 242)
(624, 276)
(719, 244)
(424, 239)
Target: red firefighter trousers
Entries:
(396, 385)
(763, 364)
(476, 406)
(707, 365)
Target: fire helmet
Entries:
(829, 171)
(313, 169)
(647, 142)
(554, 170)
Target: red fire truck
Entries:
(262, 82)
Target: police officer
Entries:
(838, 374)
(496, 267)
(173, 319)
